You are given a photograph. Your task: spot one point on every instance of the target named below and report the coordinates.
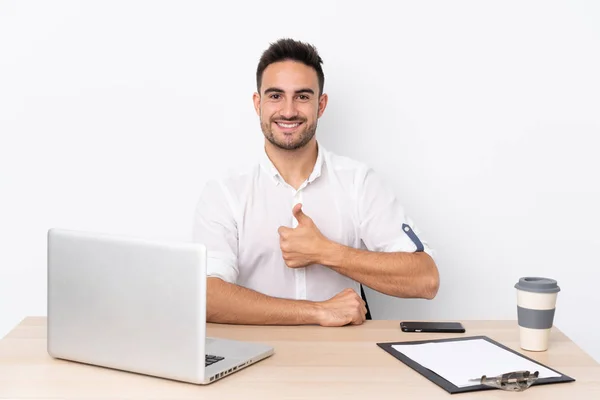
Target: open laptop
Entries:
(136, 305)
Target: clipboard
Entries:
(449, 386)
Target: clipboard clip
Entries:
(516, 381)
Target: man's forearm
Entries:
(409, 275)
(233, 304)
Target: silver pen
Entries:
(516, 381)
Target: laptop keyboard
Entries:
(210, 360)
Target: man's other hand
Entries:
(346, 307)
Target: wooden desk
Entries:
(309, 362)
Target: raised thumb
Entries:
(299, 214)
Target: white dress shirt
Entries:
(237, 218)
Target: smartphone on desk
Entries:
(431, 326)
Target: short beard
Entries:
(305, 136)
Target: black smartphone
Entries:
(430, 326)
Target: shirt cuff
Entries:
(403, 246)
(221, 265)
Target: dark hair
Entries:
(289, 49)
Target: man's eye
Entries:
(303, 97)
(275, 96)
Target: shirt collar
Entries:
(269, 168)
(316, 172)
(267, 165)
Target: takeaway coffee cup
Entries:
(536, 302)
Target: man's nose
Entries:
(288, 109)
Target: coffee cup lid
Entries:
(537, 285)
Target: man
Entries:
(291, 240)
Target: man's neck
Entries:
(294, 166)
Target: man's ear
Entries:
(322, 104)
(256, 100)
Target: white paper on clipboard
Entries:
(460, 361)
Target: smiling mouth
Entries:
(288, 125)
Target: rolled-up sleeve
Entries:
(384, 226)
(216, 228)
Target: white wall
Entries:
(483, 115)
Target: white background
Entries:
(484, 116)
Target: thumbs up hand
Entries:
(303, 245)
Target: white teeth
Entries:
(287, 125)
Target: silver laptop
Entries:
(136, 305)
